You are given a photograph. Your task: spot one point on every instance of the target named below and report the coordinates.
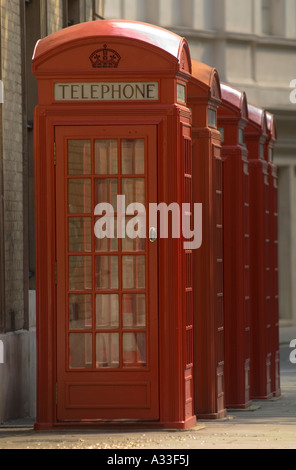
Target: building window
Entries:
(221, 130)
(241, 136)
(73, 12)
(266, 17)
(274, 17)
(77, 11)
(212, 118)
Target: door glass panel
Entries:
(134, 349)
(107, 272)
(133, 272)
(80, 234)
(138, 243)
(80, 350)
(80, 311)
(80, 272)
(107, 350)
(107, 311)
(134, 190)
(79, 157)
(134, 311)
(106, 157)
(106, 243)
(106, 190)
(106, 328)
(132, 157)
(79, 194)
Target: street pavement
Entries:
(267, 424)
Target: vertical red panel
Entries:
(273, 255)
(261, 354)
(188, 280)
(232, 118)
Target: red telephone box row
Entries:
(204, 97)
(250, 251)
(260, 255)
(150, 329)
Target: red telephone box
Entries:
(260, 262)
(232, 120)
(273, 211)
(204, 96)
(114, 314)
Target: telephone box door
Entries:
(107, 299)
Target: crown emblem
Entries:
(105, 58)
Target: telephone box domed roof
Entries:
(103, 30)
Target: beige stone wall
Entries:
(12, 161)
(18, 373)
(252, 43)
(54, 16)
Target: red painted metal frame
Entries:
(148, 54)
(203, 95)
(232, 119)
(273, 211)
(260, 267)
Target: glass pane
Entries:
(132, 157)
(106, 157)
(133, 272)
(80, 234)
(134, 190)
(80, 275)
(134, 349)
(107, 346)
(212, 118)
(107, 272)
(80, 350)
(133, 244)
(106, 243)
(106, 191)
(79, 157)
(107, 311)
(79, 193)
(134, 310)
(80, 311)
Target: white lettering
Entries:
(186, 230)
(293, 353)
(1, 352)
(136, 226)
(106, 221)
(164, 209)
(118, 460)
(1, 92)
(293, 92)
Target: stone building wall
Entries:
(12, 156)
(252, 43)
(22, 24)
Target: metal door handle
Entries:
(152, 234)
